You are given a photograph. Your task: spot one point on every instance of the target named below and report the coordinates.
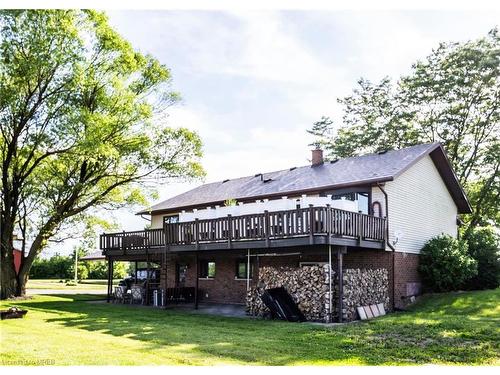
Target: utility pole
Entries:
(76, 265)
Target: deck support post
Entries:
(341, 250)
(146, 299)
(110, 279)
(164, 271)
(248, 270)
(330, 281)
(197, 274)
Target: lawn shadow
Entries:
(405, 338)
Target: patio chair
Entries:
(137, 294)
(120, 294)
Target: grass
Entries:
(458, 328)
(91, 286)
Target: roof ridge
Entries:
(309, 165)
(292, 180)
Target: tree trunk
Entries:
(21, 281)
(8, 279)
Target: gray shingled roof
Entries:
(344, 172)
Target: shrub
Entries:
(57, 267)
(445, 264)
(484, 248)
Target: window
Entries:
(361, 198)
(171, 219)
(181, 274)
(207, 269)
(241, 269)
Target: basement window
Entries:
(207, 269)
(242, 267)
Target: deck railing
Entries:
(136, 240)
(311, 221)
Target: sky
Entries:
(253, 82)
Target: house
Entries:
(336, 234)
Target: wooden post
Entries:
(330, 296)
(166, 229)
(110, 279)
(197, 233)
(328, 224)
(196, 261)
(230, 230)
(123, 244)
(311, 224)
(248, 270)
(267, 227)
(136, 272)
(340, 252)
(146, 299)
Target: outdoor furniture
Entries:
(120, 294)
(137, 294)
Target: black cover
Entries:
(281, 305)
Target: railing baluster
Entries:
(263, 226)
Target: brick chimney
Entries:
(317, 157)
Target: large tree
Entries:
(82, 128)
(453, 97)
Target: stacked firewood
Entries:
(307, 285)
(364, 287)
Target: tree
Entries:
(82, 128)
(484, 247)
(452, 97)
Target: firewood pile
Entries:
(364, 287)
(307, 285)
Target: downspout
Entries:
(389, 244)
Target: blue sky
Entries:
(252, 82)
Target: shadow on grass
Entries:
(433, 333)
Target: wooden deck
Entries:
(300, 227)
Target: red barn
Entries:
(17, 259)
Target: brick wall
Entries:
(225, 288)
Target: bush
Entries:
(484, 248)
(57, 267)
(445, 264)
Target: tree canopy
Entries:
(453, 97)
(83, 126)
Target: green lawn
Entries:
(56, 284)
(461, 328)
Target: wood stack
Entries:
(364, 287)
(307, 285)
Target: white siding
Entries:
(420, 207)
(157, 220)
